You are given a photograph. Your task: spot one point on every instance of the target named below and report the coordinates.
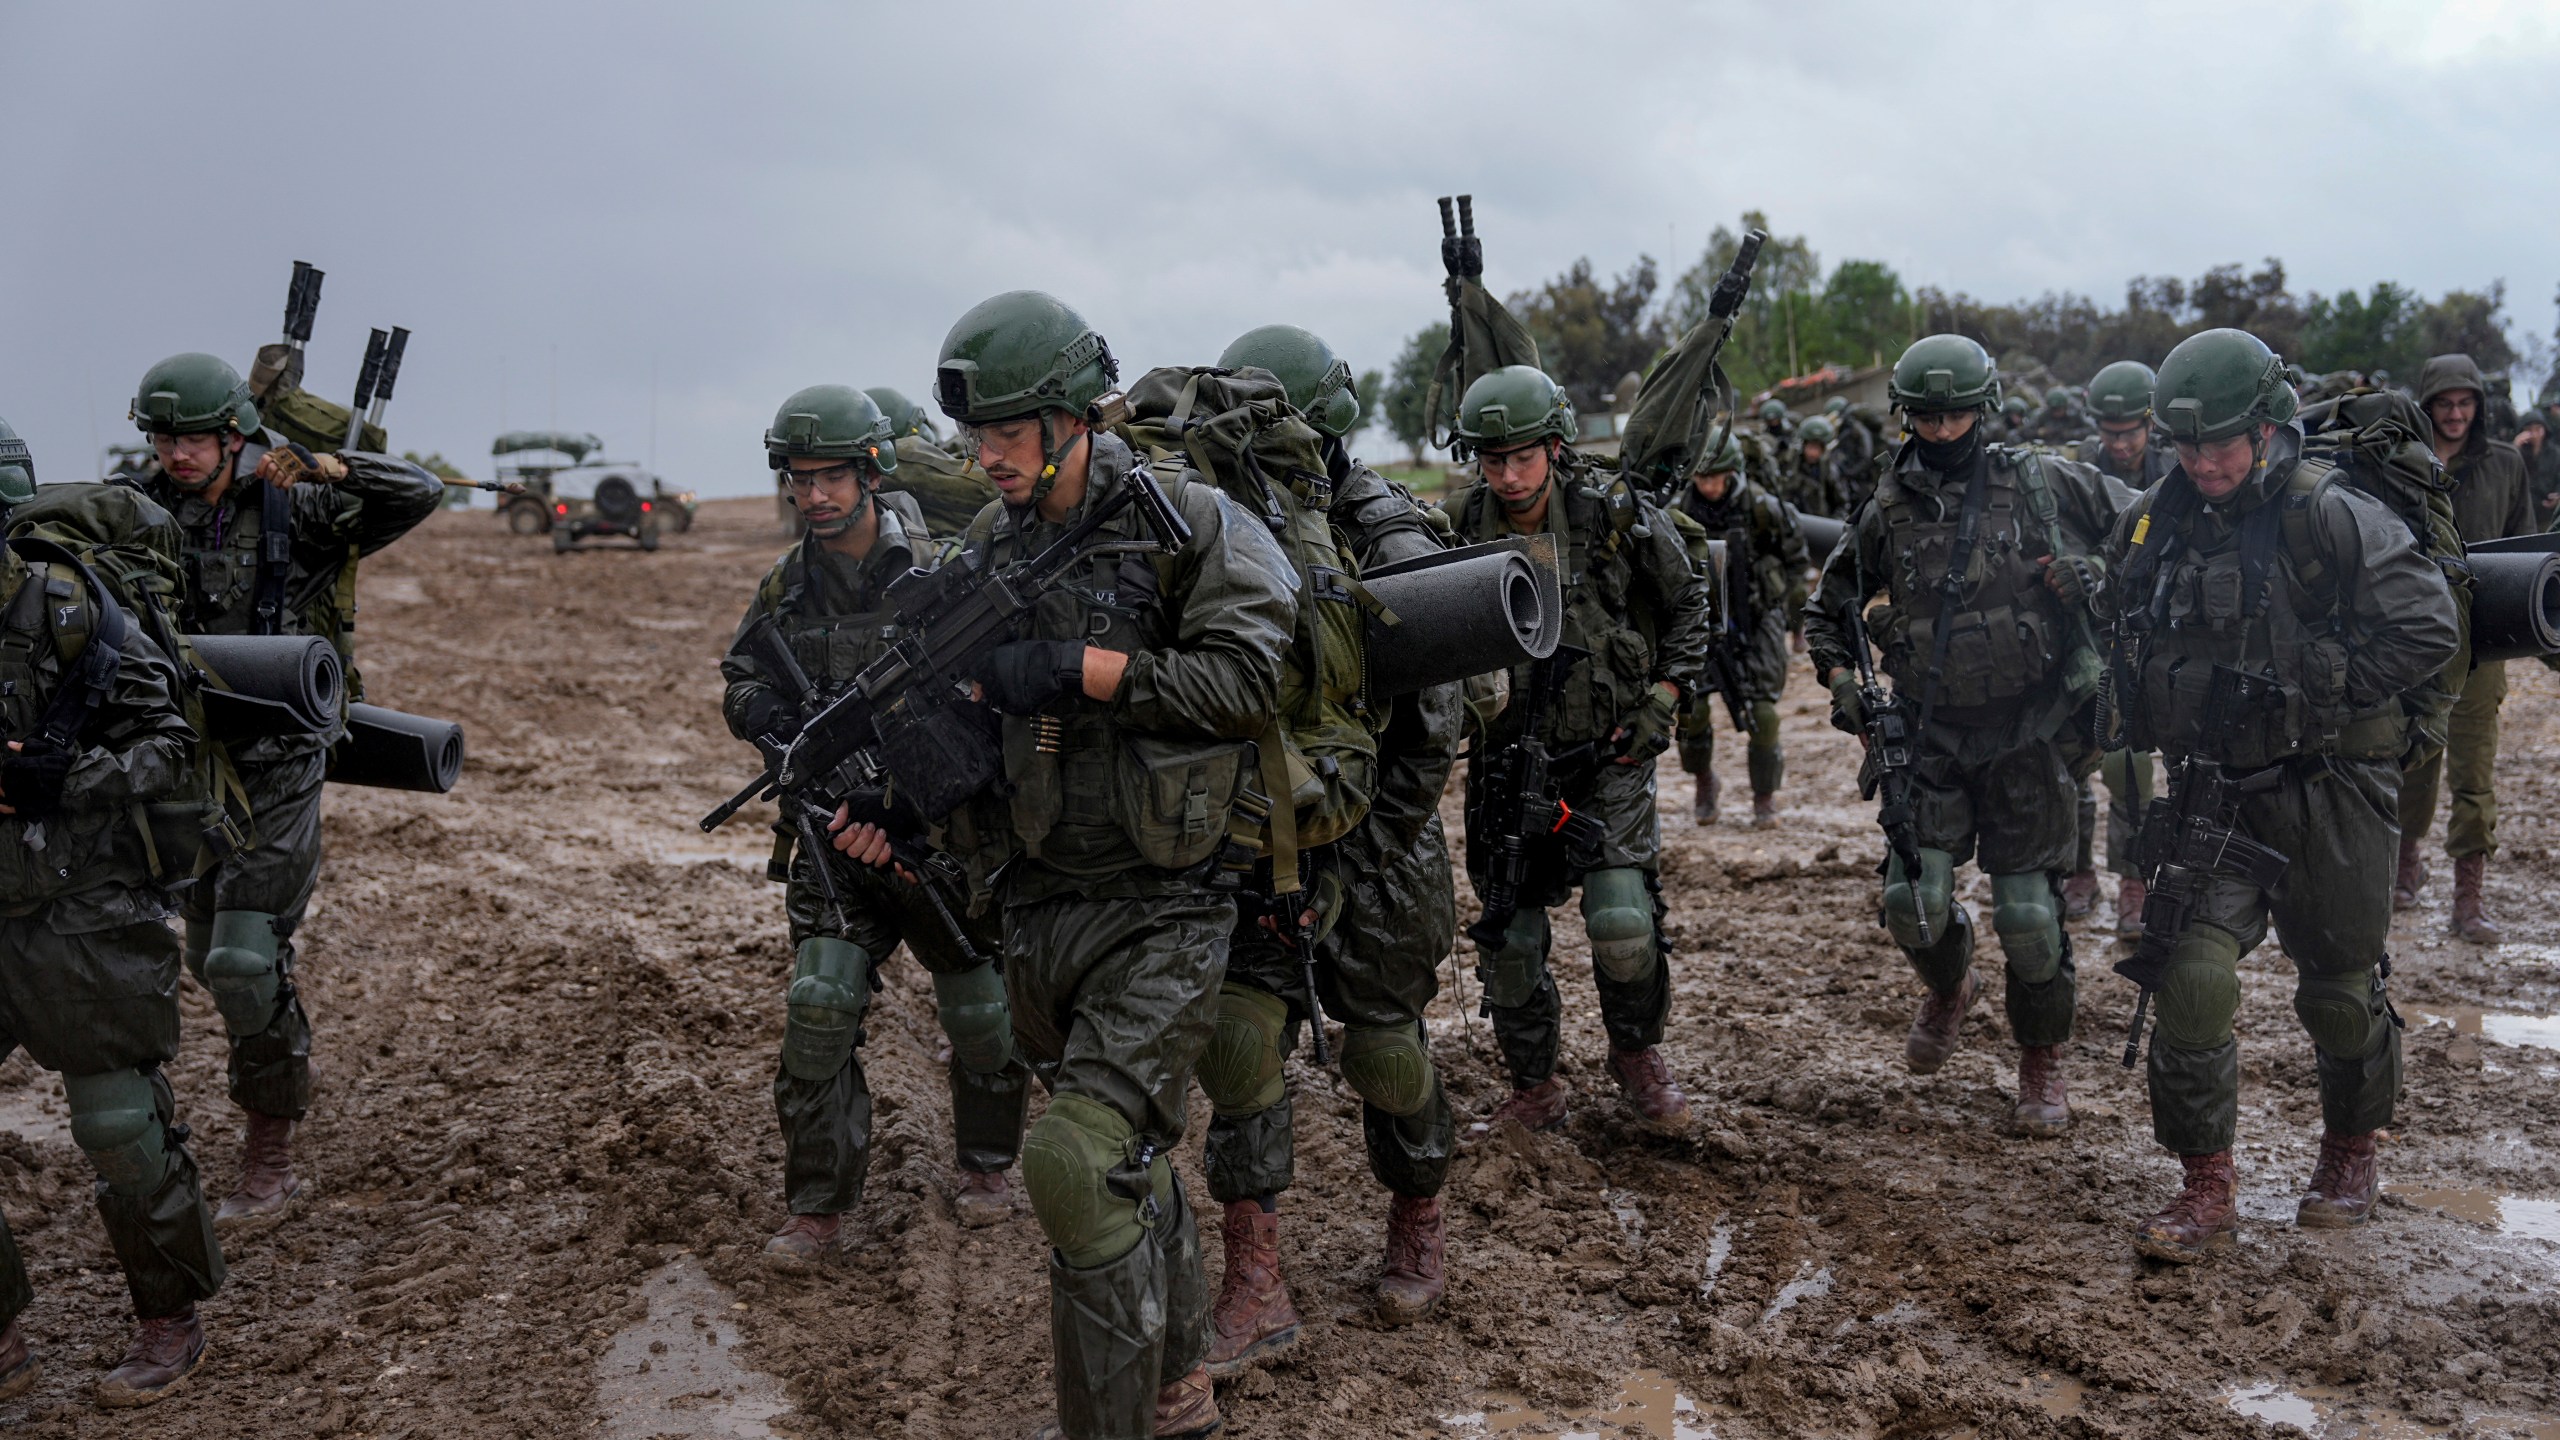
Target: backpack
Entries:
(1236, 429)
(128, 550)
(2377, 440)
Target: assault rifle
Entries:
(1725, 646)
(902, 724)
(1893, 749)
(2189, 838)
(1518, 807)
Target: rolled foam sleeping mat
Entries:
(1464, 612)
(263, 685)
(1821, 534)
(2515, 601)
(391, 751)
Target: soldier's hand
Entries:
(1023, 675)
(1655, 723)
(1848, 711)
(31, 785)
(291, 464)
(2073, 577)
(864, 844)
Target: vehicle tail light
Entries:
(644, 507)
(562, 508)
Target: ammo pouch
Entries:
(1174, 797)
(1993, 656)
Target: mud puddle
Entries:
(2327, 1414)
(36, 1111)
(2535, 1032)
(677, 1372)
(2515, 1216)
(1649, 1405)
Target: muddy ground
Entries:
(547, 1012)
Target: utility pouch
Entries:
(1173, 797)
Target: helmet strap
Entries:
(870, 487)
(1054, 453)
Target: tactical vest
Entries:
(51, 683)
(831, 633)
(2008, 636)
(240, 575)
(2259, 600)
(1593, 516)
(1749, 522)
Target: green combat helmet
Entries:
(17, 470)
(906, 417)
(1020, 354)
(2057, 398)
(2218, 384)
(832, 422)
(2015, 407)
(2122, 391)
(1835, 406)
(191, 394)
(1725, 459)
(1773, 410)
(1945, 372)
(1318, 381)
(1815, 429)
(1511, 407)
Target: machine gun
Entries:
(1518, 807)
(1892, 739)
(902, 723)
(2189, 837)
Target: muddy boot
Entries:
(1704, 811)
(1252, 1318)
(807, 1237)
(2130, 895)
(1411, 1283)
(983, 1198)
(1188, 1408)
(2343, 1184)
(2204, 1217)
(161, 1356)
(1533, 1107)
(1764, 812)
(1939, 1026)
(268, 1188)
(18, 1368)
(2469, 872)
(2079, 894)
(1646, 1082)
(2044, 1101)
(2410, 878)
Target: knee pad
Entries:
(2022, 915)
(116, 1122)
(1906, 901)
(972, 1008)
(1765, 760)
(1617, 913)
(822, 1016)
(1511, 975)
(2342, 1012)
(240, 969)
(2200, 992)
(1080, 1166)
(1388, 1066)
(1240, 1071)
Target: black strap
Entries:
(1959, 559)
(275, 556)
(90, 679)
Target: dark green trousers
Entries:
(271, 1070)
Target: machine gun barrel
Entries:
(391, 353)
(366, 379)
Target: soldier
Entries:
(1815, 487)
(2491, 499)
(1984, 553)
(2136, 453)
(1639, 611)
(1854, 446)
(2017, 421)
(2061, 421)
(1149, 672)
(2542, 476)
(833, 448)
(1777, 426)
(1764, 552)
(949, 489)
(94, 732)
(216, 472)
(1378, 968)
(2248, 558)
(17, 472)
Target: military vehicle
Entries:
(605, 499)
(536, 459)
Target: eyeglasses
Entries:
(807, 480)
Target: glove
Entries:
(1024, 675)
(1848, 712)
(763, 715)
(31, 782)
(289, 464)
(1656, 721)
(2073, 577)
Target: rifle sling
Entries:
(1959, 560)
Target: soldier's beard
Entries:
(830, 529)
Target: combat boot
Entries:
(1417, 1238)
(1704, 812)
(1646, 1082)
(1764, 812)
(2470, 872)
(1186, 1409)
(2079, 894)
(18, 1368)
(2044, 1100)
(2204, 1217)
(1252, 1318)
(1939, 1027)
(983, 1198)
(807, 1237)
(2343, 1184)
(268, 1187)
(2411, 877)
(162, 1354)
(1531, 1107)
(2130, 895)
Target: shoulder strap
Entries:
(91, 653)
(275, 556)
(2302, 490)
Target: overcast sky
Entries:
(746, 199)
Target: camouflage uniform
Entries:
(1767, 550)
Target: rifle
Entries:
(1893, 751)
(925, 867)
(1518, 806)
(900, 723)
(2189, 837)
(375, 351)
(1724, 647)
